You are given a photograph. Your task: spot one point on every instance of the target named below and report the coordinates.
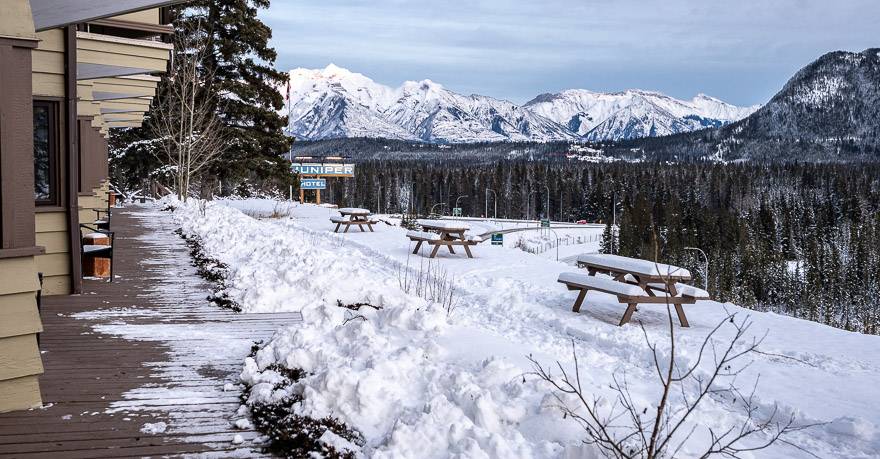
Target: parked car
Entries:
(581, 222)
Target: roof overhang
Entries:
(50, 14)
(102, 56)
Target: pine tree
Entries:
(247, 84)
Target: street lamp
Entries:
(435, 206)
(529, 203)
(705, 266)
(458, 198)
(548, 201)
(495, 201)
(379, 200)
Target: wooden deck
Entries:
(147, 348)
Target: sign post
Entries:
(313, 174)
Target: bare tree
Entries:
(626, 430)
(190, 133)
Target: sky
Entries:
(741, 51)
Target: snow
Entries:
(444, 224)
(334, 102)
(633, 265)
(602, 283)
(418, 379)
(354, 211)
(423, 235)
(154, 428)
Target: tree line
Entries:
(799, 239)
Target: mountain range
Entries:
(827, 111)
(334, 103)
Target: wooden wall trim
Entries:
(72, 159)
(16, 146)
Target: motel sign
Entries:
(324, 170)
(312, 184)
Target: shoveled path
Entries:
(124, 357)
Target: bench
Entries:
(438, 239)
(348, 223)
(628, 294)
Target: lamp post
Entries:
(548, 201)
(705, 266)
(435, 206)
(458, 198)
(379, 200)
(529, 203)
(495, 196)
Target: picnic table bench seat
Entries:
(629, 294)
(443, 233)
(352, 216)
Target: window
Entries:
(46, 153)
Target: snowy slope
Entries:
(418, 381)
(336, 103)
(633, 113)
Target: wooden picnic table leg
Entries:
(434, 252)
(347, 226)
(630, 309)
(679, 309)
(418, 245)
(591, 271)
(468, 251)
(580, 300)
(337, 228)
(361, 227)
(370, 226)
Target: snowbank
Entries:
(421, 380)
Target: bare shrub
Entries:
(430, 282)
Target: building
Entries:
(70, 71)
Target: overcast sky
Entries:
(741, 51)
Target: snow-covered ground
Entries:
(420, 378)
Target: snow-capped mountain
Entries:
(634, 113)
(336, 103)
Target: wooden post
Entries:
(319, 196)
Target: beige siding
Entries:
(20, 394)
(19, 356)
(18, 315)
(55, 264)
(19, 276)
(48, 64)
(54, 242)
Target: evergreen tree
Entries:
(248, 87)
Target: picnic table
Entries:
(448, 233)
(634, 282)
(351, 216)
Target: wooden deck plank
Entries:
(100, 387)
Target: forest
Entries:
(797, 239)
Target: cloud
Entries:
(742, 51)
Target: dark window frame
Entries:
(53, 109)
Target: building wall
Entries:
(51, 221)
(19, 319)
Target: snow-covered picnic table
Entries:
(634, 282)
(447, 233)
(349, 216)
